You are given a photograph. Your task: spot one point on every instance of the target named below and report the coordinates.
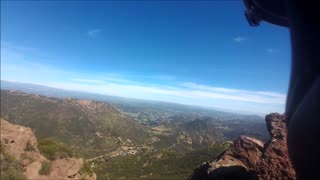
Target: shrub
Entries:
(86, 169)
(45, 168)
(53, 150)
(9, 166)
(13, 173)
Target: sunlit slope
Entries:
(94, 127)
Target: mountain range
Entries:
(114, 132)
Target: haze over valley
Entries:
(108, 131)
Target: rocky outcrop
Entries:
(21, 143)
(275, 161)
(249, 158)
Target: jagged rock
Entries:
(21, 143)
(247, 150)
(275, 161)
(276, 126)
(249, 158)
(236, 162)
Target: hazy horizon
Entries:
(131, 98)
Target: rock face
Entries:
(275, 161)
(19, 140)
(249, 158)
(21, 143)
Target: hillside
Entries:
(93, 127)
(99, 127)
(162, 164)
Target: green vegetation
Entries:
(45, 168)
(162, 164)
(73, 122)
(24, 156)
(9, 167)
(165, 141)
(86, 169)
(53, 150)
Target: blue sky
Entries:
(199, 53)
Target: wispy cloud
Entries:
(93, 81)
(15, 67)
(237, 94)
(9, 45)
(94, 32)
(270, 50)
(239, 39)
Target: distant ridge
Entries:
(116, 100)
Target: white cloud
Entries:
(94, 32)
(237, 94)
(239, 39)
(93, 81)
(15, 67)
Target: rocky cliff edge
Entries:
(20, 143)
(250, 158)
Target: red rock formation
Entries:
(249, 158)
(21, 143)
(275, 162)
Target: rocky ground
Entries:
(249, 158)
(20, 143)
